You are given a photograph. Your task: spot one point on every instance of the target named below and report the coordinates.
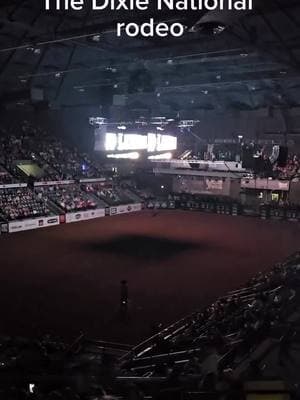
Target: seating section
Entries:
(21, 203)
(57, 160)
(69, 198)
(291, 170)
(220, 337)
(111, 196)
(48, 366)
(6, 178)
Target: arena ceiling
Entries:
(236, 61)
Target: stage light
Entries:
(126, 156)
(164, 156)
(96, 38)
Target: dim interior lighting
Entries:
(219, 29)
(113, 70)
(96, 38)
(126, 156)
(116, 86)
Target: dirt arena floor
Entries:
(66, 279)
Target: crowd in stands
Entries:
(213, 342)
(47, 369)
(21, 203)
(260, 156)
(290, 171)
(24, 202)
(68, 197)
(57, 160)
(211, 351)
(6, 178)
(111, 196)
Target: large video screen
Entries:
(118, 142)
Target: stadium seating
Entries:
(21, 203)
(290, 171)
(57, 161)
(68, 197)
(6, 178)
(47, 365)
(206, 345)
(205, 353)
(112, 196)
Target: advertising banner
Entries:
(125, 209)
(53, 183)
(36, 223)
(14, 186)
(85, 215)
(265, 184)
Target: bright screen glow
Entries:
(131, 142)
(164, 156)
(151, 142)
(128, 141)
(166, 142)
(111, 141)
(127, 156)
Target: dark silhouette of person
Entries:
(124, 295)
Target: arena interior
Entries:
(149, 203)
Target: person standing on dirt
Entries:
(124, 295)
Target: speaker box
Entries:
(283, 156)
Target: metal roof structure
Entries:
(224, 61)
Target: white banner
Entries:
(36, 223)
(85, 215)
(53, 183)
(14, 186)
(125, 209)
(265, 184)
(94, 180)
